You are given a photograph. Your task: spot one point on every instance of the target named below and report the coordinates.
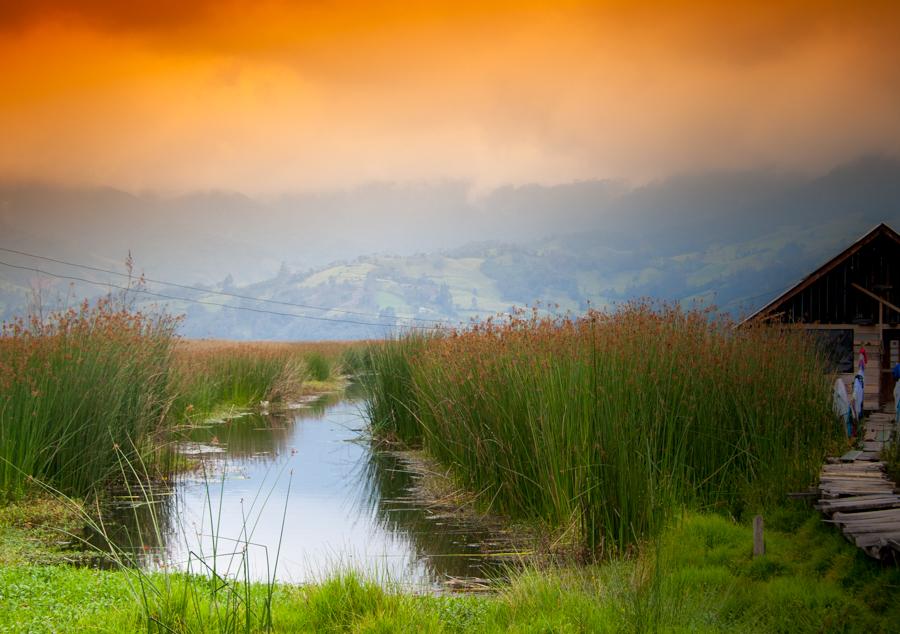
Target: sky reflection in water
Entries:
(313, 475)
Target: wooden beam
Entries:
(877, 298)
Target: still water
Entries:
(293, 498)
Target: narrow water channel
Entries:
(311, 483)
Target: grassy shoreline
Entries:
(701, 577)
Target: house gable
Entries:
(860, 285)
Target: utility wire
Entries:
(206, 303)
(768, 294)
(210, 292)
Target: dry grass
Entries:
(330, 349)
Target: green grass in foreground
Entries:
(701, 577)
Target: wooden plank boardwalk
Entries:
(856, 495)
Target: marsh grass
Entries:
(235, 375)
(210, 374)
(75, 386)
(318, 367)
(354, 360)
(612, 421)
(391, 403)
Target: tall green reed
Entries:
(208, 375)
(239, 376)
(354, 361)
(611, 422)
(388, 380)
(75, 387)
(79, 383)
(318, 366)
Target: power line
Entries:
(211, 292)
(205, 303)
(773, 294)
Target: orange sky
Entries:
(272, 96)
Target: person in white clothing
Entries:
(858, 395)
(842, 405)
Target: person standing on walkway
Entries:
(896, 373)
(842, 407)
(859, 387)
(859, 383)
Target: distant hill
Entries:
(568, 273)
(734, 240)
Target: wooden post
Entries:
(759, 545)
(881, 357)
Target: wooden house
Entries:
(852, 301)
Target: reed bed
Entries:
(76, 386)
(391, 406)
(212, 373)
(611, 423)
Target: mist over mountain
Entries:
(438, 251)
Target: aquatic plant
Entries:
(239, 375)
(391, 395)
(74, 387)
(611, 422)
(77, 384)
(318, 367)
(355, 361)
(209, 374)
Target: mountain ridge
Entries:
(730, 239)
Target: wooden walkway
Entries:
(856, 495)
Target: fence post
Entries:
(759, 545)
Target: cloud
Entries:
(275, 96)
(142, 15)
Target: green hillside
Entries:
(562, 274)
(372, 295)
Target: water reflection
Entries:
(449, 547)
(306, 487)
